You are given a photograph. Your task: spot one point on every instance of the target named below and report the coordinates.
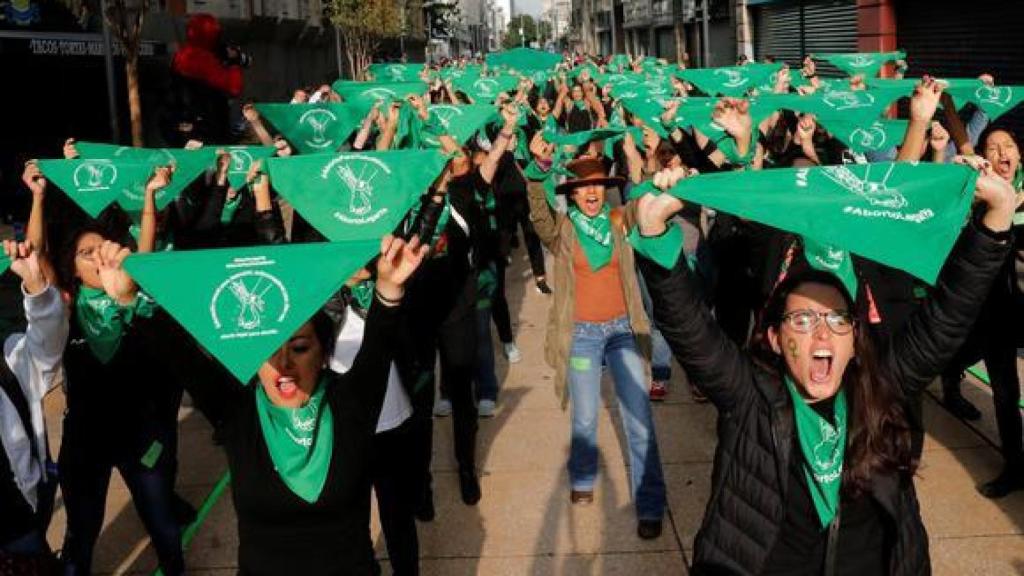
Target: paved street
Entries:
(525, 525)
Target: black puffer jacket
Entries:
(756, 424)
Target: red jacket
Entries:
(197, 60)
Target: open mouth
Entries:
(1004, 168)
(821, 366)
(591, 204)
(287, 387)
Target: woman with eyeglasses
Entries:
(813, 470)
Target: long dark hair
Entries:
(878, 439)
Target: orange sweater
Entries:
(599, 296)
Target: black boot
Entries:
(469, 486)
(1010, 480)
(425, 507)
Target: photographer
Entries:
(206, 75)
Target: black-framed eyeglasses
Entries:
(806, 321)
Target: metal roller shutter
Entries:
(944, 39)
(829, 26)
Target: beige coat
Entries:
(559, 236)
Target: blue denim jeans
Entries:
(613, 342)
(485, 378)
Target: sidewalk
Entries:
(524, 524)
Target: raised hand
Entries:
(939, 137)
(25, 263)
(284, 149)
(33, 178)
(160, 179)
(398, 260)
(223, 165)
(925, 100)
(733, 114)
(70, 152)
(250, 114)
(115, 280)
(995, 192)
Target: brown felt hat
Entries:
(588, 172)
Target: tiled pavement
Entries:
(524, 525)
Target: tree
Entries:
(364, 24)
(125, 19)
(528, 26)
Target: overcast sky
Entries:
(531, 7)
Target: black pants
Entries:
(84, 478)
(993, 340)
(397, 487)
(499, 304)
(513, 212)
(444, 326)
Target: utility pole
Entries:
(706, 36)
(401, 38)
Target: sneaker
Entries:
(485, 409)
(469, 487)
(512, 352)
(542, 287)
(961, 407)
(658, 391)
(648, 529)
(443, 408)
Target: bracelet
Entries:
(386, 301)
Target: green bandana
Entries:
(241, 304)
(823, 445)
(396, 72)
(355, 196)
(484, 90)
(312, 128)
(95, 184)
(584, 137)
(594, 234)
(461, 122)
(867, 137)
(903, 215)
(242, 158)
(363, 95)
(524, 59)
(103, 321)
(227, 213)
(846, 106)
(866, 63)
(994, 101)
(663, 250)
(731, 80)
(619, 62)
(831, 259)
(299, 440)
(362, 294)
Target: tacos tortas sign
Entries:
(250, 302)
(356, 175)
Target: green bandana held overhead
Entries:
(994, 101)
(871, 137)
(847, 106)
(461, 122)
(730, 80)
(396, 72)
(363, 95)
(485, 89)
(831, 259)
(242, 158)
(163, 156)
(594, 235)
(900, 214)
(241, 304)
(312, 128)
(299, 440)
(865, 63)
(524, 59)
(355, 196)
(103, 321)
(823, 445)
(94, 184)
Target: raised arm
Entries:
(923, 104)
(501, 144)
(160, 179)
(931, 337)
(256, 123)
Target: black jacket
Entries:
(756, 424)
